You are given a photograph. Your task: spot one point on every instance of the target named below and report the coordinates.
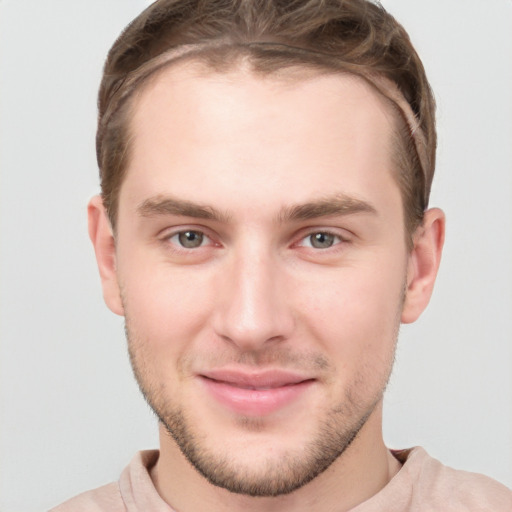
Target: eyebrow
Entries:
(161, 205)
(331, 206)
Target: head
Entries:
(357, 37)
(262, 227)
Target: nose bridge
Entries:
(253, 308)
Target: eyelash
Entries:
(337, 239)
(177, 244)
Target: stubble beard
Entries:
(281, 476)
(276, 477)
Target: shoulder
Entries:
(105, 498)
(134, 487)
(445, 488)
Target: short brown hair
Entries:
(355, 36)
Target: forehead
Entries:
(299, 130)
(194, 85)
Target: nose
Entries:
(253, 308)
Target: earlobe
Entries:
(102, 238)
(423, 264)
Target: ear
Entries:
(102, 238)
(423, 264)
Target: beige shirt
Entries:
(422, 485)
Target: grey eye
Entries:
(322, 240)
(190, 239)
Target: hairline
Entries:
(204, 60)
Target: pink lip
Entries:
(257, 393)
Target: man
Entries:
(263, 228)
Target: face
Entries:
(261, 265)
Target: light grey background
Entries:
(71, 415)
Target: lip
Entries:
(255, 393)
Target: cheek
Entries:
(355, 312)
(166, 319)
(166, 307)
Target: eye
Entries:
(189, 239)
(320, 240)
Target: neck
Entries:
(359, 473)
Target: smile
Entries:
(256, 394)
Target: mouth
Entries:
(255, 393)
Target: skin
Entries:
(283, 163)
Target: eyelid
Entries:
(203, 239)
(342, 234)
(168, 233)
